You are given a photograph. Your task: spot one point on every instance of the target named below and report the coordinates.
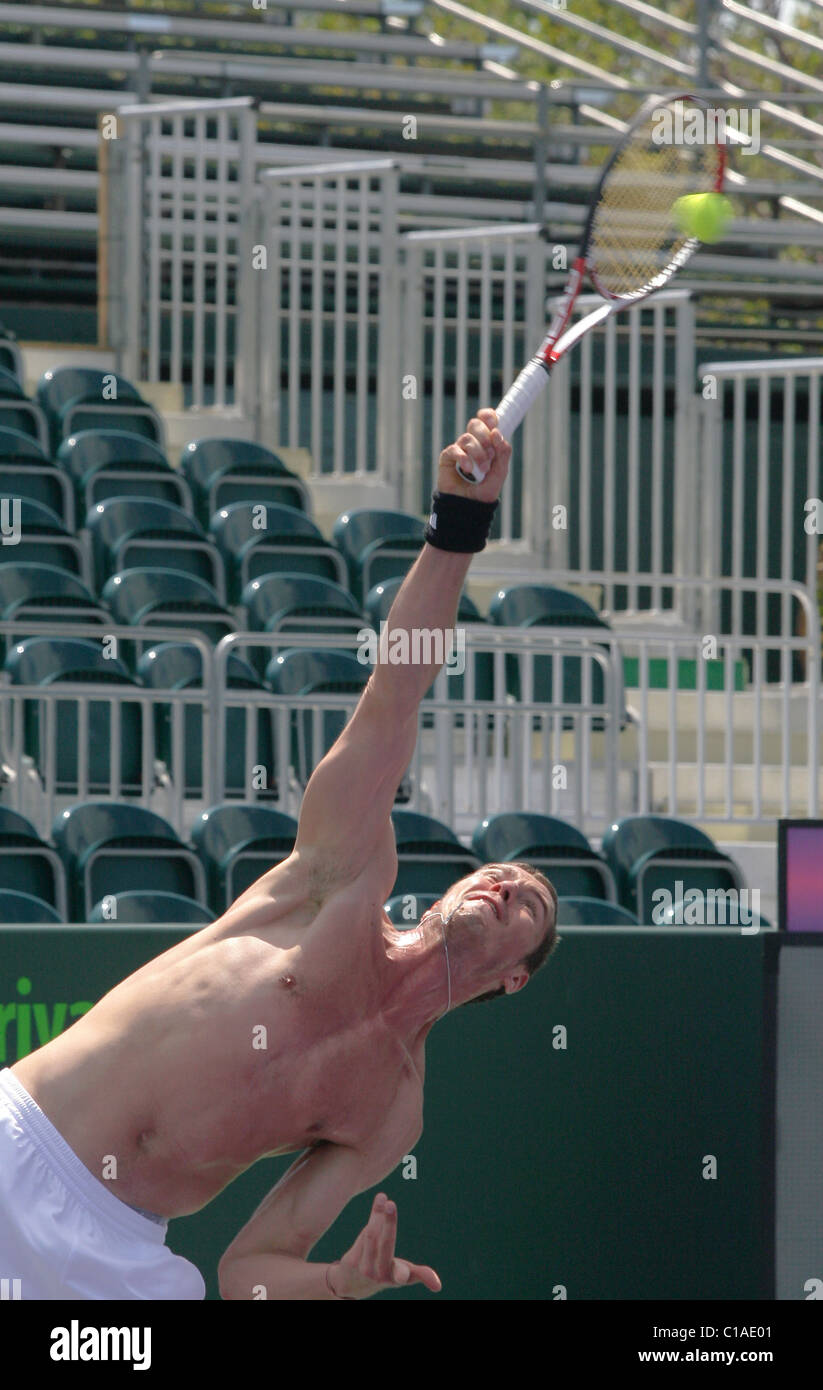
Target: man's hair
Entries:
(541, 953)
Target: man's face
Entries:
(502, 911)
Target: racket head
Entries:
(632, 243)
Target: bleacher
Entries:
(498, 146)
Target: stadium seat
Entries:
(85, 398)
(163, 596)
(592, 912)
(559, 850)
(10, 356)
(43, 537)
(179, 666)
(35, 594)
(406, 909)
(139, 532)
(114, 463)
(377, 545)
(222, 471)
(42, 661)
(430, 857)
(109, 848)
(239, 842)
(302, 672)
(648, 854)
(28, 865)
(26, 471)
(543, 605)
(25, 908)
(148, 907)
(256, 539)
(17, 412)
(289, 602)
(377, 606)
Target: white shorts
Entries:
(63, 1234)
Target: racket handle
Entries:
(514, 406)
(520, 397)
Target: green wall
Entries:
(538, 1166)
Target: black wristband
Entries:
(459, 523)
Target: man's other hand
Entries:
(482, 444)
(370, 1265)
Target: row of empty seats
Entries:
(100, 854)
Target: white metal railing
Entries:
(34, 785)
(177, 285)
(472, 307)
(328, 239)
(475, 755)
(759, 458)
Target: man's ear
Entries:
(516, 981)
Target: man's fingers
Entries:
(385, 1242)
(403, 1272)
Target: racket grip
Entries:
(520, 397)
(514, 406)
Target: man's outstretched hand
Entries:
(370, 1265)
(482, 444)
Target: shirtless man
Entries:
(161, 1094)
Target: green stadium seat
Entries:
(543, 605)
(25, 908)
(179, 666)
(222, 471)
(299, 602)
(109, 848)
(11, 359)
(430, 857)
(377, 545)
(237, 843)
(148, 907)
(28, 865)
(138, 532)
(85, 398)
(558, 849)
(256, 539)
(302, 672)
(43, 537)
(655, 854)
(162, 596)
(115, 463)
(406, 909)
(17, 412)
(26, 471)
(593, 912)
(41, 661)
(31, 595)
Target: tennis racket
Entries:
(632, 244)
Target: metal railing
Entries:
(482, 752)
(328, 301)
(176, 282)
(760, 474)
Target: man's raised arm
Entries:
(348, 799)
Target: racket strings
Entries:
(635, 243)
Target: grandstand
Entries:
(257, 266)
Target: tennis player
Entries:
(295, 1023)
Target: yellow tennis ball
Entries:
(703, 215)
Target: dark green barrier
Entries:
(540, 1166)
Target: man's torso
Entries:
(258, 1035)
